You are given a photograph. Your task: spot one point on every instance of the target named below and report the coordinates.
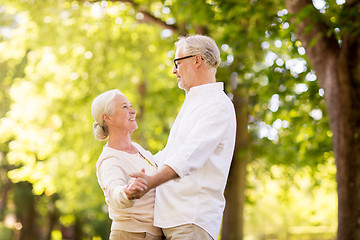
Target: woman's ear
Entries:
(106, 117)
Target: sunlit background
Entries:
(56, 56)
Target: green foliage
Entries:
(272, 196)
(57, 56)
(75, 53)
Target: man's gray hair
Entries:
(205, 46)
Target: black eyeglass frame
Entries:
(177, 59)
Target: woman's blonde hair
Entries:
(203, 45)
(103, 104)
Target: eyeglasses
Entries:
(177, 59)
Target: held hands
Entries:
(137, 186)
(164, 174)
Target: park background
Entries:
(56, 56)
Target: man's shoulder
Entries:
(218, 98)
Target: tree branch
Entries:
(313, 33)
(148, 17)
(351, 2)
(311, 30)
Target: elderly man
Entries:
(195, 162)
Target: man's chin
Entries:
(181, 86)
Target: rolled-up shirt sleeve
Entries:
(159, 158)
(205, 134)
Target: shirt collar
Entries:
(204, 88)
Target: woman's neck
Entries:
(122, 142)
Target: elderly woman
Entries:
(115, 120)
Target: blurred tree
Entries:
(70, 51)
(241, 27)
(331, 38)
(49, 125)
(24, 200)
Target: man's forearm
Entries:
(164, 174)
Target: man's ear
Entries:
(198, 61)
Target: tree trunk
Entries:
(53, 216)
(345, 123)
(4, 197)
(337, 67)
(78, 232)
(233, 221)
(24, 201)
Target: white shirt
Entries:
(199, 149)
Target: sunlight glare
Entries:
(88, 54)
(118, 20)
(139, 16)
(170, 21)
(270, 58)
(166, 33)
(97, 11)
(267, 131)
(166, 10)
(278, 43)
(282, 12)
(230, 58)
(277, 124)
(319, 4)
(316, 114)
(225, 47)
(279, 62)
(285, 25)
(6, 32)
(296, 65)
(300, 88)
(310, 76)
(274, 103)
(301, 50)
(265, 45)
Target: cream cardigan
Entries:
(113, 167)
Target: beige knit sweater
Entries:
(113, 167)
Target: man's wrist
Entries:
(151, 182)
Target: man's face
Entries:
(183, 70)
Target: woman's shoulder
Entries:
(138, 146)
(112, 156)
(143, 151)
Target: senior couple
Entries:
(189, 174)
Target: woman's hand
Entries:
(135, 186)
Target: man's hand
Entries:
(142, 178)
(136, 186)
(164, 174)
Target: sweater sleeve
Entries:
(113, 179)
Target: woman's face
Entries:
(124, 115)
